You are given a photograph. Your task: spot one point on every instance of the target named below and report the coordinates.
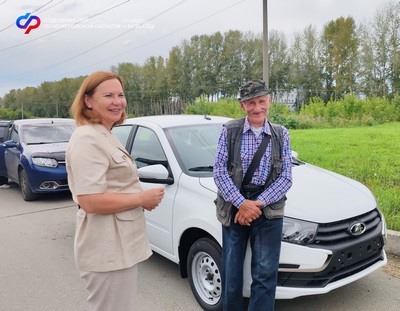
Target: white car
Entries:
(333, 232)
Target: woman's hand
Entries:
(151, 198)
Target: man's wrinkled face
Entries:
(257, 109)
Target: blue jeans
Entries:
(265, 240)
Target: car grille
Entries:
(337, 233)
(350, 254)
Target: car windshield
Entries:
(195, 146)
(34, 134)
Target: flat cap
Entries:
(251, 89)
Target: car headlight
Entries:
(298, 231)
(46, 162)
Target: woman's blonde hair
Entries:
(79, 111)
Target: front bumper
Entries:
(45, 179)
(335, 258)
(286, 292)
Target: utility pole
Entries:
(265, 43)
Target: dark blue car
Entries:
(34, 155)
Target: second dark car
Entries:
(33, 155)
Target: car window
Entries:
(3, 132)
(14, 135)
(122, 133)
(147, 149)
(195, 146)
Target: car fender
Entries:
(195, 209)
(197, 223)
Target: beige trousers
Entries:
(111, 291)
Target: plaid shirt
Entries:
(249, 147)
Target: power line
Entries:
(99, 45)
(122, 34)
(145, 44)
(162, 37)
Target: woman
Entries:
(110, 237)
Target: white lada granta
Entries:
(333, 231)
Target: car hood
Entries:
(56, 150)
(321, 196)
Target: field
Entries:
(370, 155)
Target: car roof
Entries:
(43, 120)
(5, 122)
(165, 121)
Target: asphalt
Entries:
(392, 245)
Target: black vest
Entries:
(235, 169)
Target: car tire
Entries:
(204, 271)
(27, 193)
(3, 180)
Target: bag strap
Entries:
(256, 160)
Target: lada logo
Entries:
(357, 228)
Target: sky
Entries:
(75, 38)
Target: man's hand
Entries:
(248, 211)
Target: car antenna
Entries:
(203, 113)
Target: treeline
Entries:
(343, 58)
(347, 112)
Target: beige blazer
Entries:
(97, 163)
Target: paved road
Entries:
(37, 271)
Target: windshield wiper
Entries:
(39, 143)
(202, 168)
(296, 161)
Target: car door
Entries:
(4, 128)
(12, 155)
(146, 149)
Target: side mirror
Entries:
(9, 144)
(156, 174)
(295, 154)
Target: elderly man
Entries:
(251, 198)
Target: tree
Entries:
(380, 55)
(340, 46)
(252, 56)
(279, 63)
(155, 86)
(132, 75)
(174, 72)
(231, 75)
(305, 73)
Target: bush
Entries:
(10, 114)
(316, 108)
(224, 107)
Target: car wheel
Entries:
(204, 270)
(3, 180)
(27, 193)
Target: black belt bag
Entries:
(251, 192)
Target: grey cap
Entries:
(251, 89)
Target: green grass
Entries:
(370, 155)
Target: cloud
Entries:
(68, 44)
